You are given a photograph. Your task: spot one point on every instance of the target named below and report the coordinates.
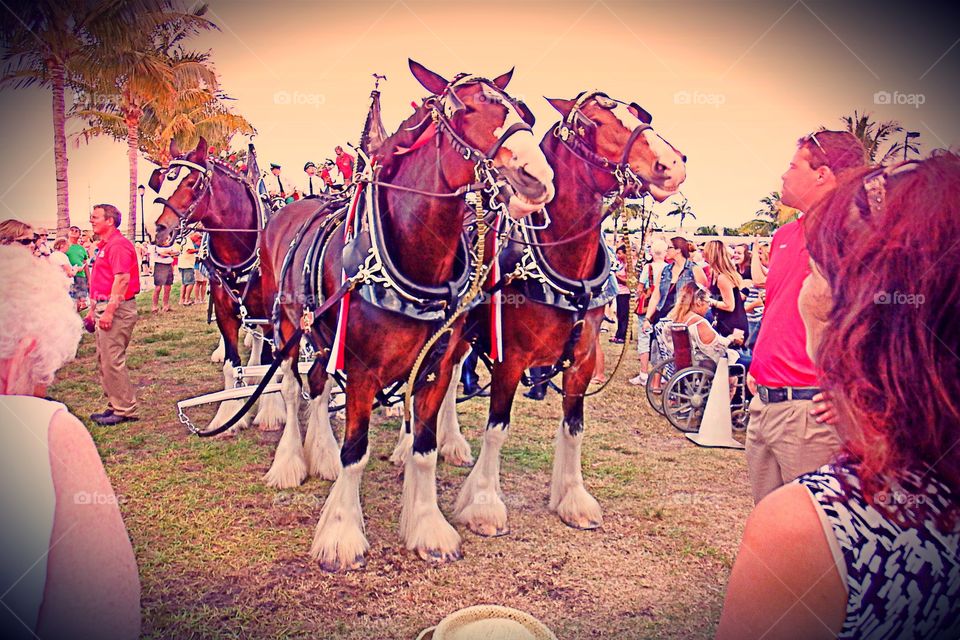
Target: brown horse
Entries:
(601, 148)
(222, 202)
(467, 136)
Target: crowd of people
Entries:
(847, 320)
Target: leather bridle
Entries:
(572, 129)
(201, 189)
(443, 108)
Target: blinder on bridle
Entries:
(577, 125)
(200, 188)
(452, 105)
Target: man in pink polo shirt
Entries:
(789, 431)
(114, 285)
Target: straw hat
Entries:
(488, 622)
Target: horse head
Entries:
(189, 201)
(622, 134)
(487, 119)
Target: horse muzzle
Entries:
(527, 192)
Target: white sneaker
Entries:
(639, 379)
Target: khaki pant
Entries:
(783, 442)
(112, 358)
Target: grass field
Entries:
(222, 556)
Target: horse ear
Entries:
(642, 114)
(174, 148)
(504, 80)
(432, 82)
(561, 105)
(201, 149)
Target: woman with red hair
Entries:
(867, 546)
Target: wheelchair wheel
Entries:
(661, 373)
(685, 398)
(740, 419)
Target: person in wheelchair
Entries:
(707, 343)
(691, 348)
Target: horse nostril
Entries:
(683, 159)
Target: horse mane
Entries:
(408, 132)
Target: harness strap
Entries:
(277, 361)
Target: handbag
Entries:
(644, 293)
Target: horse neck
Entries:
(423, 232)
(576, 207)
(231, 208)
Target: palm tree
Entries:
(773, 215)
(873, 135)
(195, 112)
(147, 69)
(42, 41)
(683, 210)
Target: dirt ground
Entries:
(223, 556)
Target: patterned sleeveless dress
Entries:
(901, 581)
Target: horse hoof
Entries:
(583, 525)
(337, 567)
(436, 556)
(489, 530)
(463, 463)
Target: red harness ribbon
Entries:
(340, 337)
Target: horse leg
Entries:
(453, 446)
(218, 354)
(229, 330)
(401, 452)
(568, 497)
(289, 468)
(271, 412)
(480, 503)
(338, 542)
(323, 460)
(422, 526)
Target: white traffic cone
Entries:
(716, 427)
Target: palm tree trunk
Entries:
(58, 73)
(133, 140)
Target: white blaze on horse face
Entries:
(526, 155)
(669, 157)
(661, 185)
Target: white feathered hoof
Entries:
(431, 537)
(224, 413)
(271, 414)
(422, 527)
(403, 449)
(339, 543)
(455, 450)
(483, 513)
(219, 353)
(578, 509)
(288, 470)
(323, 457)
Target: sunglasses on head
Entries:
(813, 138)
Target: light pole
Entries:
(906, 142)
(143, 225)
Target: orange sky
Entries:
(732, 84)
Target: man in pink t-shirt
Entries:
(114, 285)
(789, 432)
